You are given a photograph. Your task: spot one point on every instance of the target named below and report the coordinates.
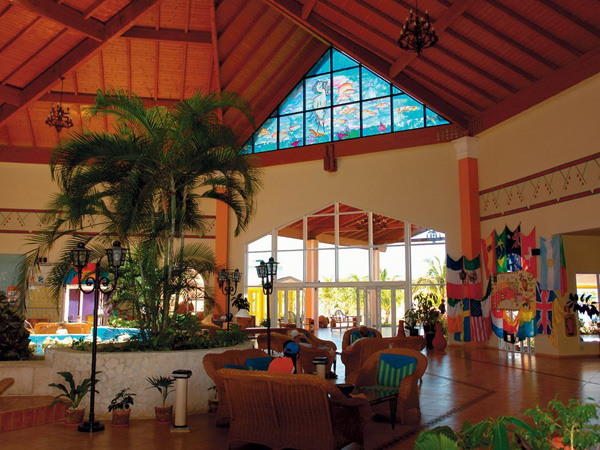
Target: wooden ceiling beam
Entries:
(381, 66)
(445, 21)
(539, 30)
(557, 8)
(11, 95)
(168, 35)
(89, 12)
(90, 99)
(21, 32)
(66, 16)
(79, 55)
(215, 49)
(307, 8)
(26, 155)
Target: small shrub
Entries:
(14, 338)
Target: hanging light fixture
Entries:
(58, 117)
(418, 32)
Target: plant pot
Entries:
(74, 417)
(164, 414)
(120, 417)
(413, 332)
(439, 341)
(429, 340)
(213, 405)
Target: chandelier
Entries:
(417, 33)
(58, 117)
(379, 223)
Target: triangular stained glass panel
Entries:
(340, 99)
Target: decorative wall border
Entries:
(576, 179)
(30, 221)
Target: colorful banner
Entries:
(552, 265)
(513, 290)
(454, 283)
(529, 261)
(543, 314)
(472, 282)
(501, 264)
(513, 250)
(488, 251)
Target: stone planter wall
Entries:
(122, 370)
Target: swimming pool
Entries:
(104, 334)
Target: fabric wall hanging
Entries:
(544, 303)
(553, 274)
(513, 249)
(488, 251)
(501, 265)
(529, 261)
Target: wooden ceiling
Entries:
(494, 58)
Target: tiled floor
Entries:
(460, 384)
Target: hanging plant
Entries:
(583, 304)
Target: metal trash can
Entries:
(320, 363)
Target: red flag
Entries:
(488, 250)
(529, 261)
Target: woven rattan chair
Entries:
(215, 361)
(292, 411)
(408, 391)
(347, 339)
(5, 383)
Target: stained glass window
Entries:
(340, 99)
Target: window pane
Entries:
(373, 85)
(290, 265)
(395, 90)
(291, 132)
(341, 61)
(318, 126)
(324, 65)
(346, 87)
(428, 260)
(317, 92)
(261, 245)
(254, 260)
(346, 122)
(376, 117)
(247, 148)
(266, 138)
(354, 264)
(434, 118)
(408, 113)
(294, 102)
(326, 263)
(288, 243)
(392, 260)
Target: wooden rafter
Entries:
(445, 21)
(557, 8)
(307, 8)
(23, 30)
(10, 95)
(168, 35)
(66, 16)
(79, 54)
(156, 56)
(89, 12)
(103, 83)
(129, 69)
(29, 121)
(371, 60)
(216, 69)
(90, 99)
(241, 11)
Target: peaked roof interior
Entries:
(494, 58)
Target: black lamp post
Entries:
(267, 272)
(225, 278)
(96, 284)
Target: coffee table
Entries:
(381, 394)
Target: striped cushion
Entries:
(393, 368)
(258, 363)
(355, 335)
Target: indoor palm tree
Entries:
(144, 184)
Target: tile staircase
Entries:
(28, 411)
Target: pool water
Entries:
(104, 334)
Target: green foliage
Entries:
(574, 424)
(434, 282)
(240, 302)
(118, 322)
(425, 309)
(71, 395)
(123, 400)
(14, 338)
(163, 385)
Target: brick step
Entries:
(28, 411)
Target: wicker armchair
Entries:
(408, 392)
(215, 361)
(347, 339)
(307, 354)
(292, 411)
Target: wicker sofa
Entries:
(347, 339)
(354, 356)
(292, 411)
(215, 361)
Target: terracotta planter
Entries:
(120, 417)
(213, 405)
(74, 417)
(439, 341)
(164, 414)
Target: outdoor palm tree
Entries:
(435, 279)
(145, 182)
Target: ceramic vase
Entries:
(439, 341)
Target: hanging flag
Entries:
(501, 251)
(498, 322)
(563, 268)
(543, 316)
(527, 328)
(513, 250)
(510, 325)
(472, 282)
(552, 264)
(529, 261)
(488, 250)
(465, 334)
(454, 284)
(486, 302)
(454, 315)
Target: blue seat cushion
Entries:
(261, 363)
(355, 335)
(234, 366)
(393, 368)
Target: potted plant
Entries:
(240, 302)
(411, 319)
(213, 400)
(119, 406)
(72, 396)
(428, 315)
(163, 385)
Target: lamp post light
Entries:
(225, 278)
(267, 272)
(96, 284)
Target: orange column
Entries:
(221, 254)
(468, 181)
(312, 275)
